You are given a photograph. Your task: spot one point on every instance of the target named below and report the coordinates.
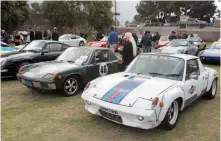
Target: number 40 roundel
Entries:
(103, 69)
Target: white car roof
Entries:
(183, 56)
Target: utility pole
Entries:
(116, 14)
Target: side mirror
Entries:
(44, 51)
(194, 76)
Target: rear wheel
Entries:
(212, 92)
(81, 43)
(172, 115)
(71, 86)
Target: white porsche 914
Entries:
(151, 91)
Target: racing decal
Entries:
(121, 90)
(103, 69)
(160, 57)
(192, 89)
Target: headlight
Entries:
(181, 51)
(52, 76)
(48, 76)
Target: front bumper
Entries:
(40, 83)
(128, 116)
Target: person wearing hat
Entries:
(55, 34)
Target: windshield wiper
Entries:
(173, 74)
(70, 61)
(33, 51)
(155, 73)
(144, 74)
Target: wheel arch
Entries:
(176, 93)
(212, 75)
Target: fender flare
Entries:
(211, 77)
(168, 97)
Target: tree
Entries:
(137, 18)
(36, 8)
(171, 10)
(99, 14)
(14, 14)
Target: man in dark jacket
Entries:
(45, 35)
(31, 34)
(55, 34)
(156, 38)
(185, 36)
(38, 34)
(4, 36)
(146, 41)
(172, 35)
(178, 36)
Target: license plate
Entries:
(27, 83)
(36, 84)
(109, 110)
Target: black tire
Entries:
(186, 52)
(210, 94)
(81, 43)
(23, 64)
(169, 123)
(74, 85)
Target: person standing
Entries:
(49, 34)
(32, 34)
(38, 34)
(172, 35)
(184, 36)
(45, 35)
(25, 36)
(129, 51)
(4, 36)
(17, 39)
(156, 38)
(146, 42)
(112, 39)
(55, 34)
(135, 37)
(178, 36)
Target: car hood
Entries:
(39, 70)
(169, 49)
(211, 52)
(127, 90)
(17, 55)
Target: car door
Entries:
(203, 78)
(73, 40)
(114, 65)
(191, 86)
(100, 64)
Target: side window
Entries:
(47, 47)
(101, 56)
(192, 67)
(73, 37)
(112, 56)
(54, 47)
(64, 47)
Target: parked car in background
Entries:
(211, 54)
(164, 40)
(192, 23)
(103, 43)
(36, 51)
(197, 41)
(180, 46)
(71, 70)
(72, 40)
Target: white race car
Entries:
(151, 91)
(72, 40)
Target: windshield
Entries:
(74, 53)
(64, 37)
(164, 38)
(193, 39)
(104, 39)
(177, 42)
(35, 46)
(158, 65)
(215, 46)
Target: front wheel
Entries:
(212, 92)
(172, 116)
(71, 86)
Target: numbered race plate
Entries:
(103, 69)
(27, 83)
(110, 114)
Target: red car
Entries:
(164, 40)
(102, 43)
